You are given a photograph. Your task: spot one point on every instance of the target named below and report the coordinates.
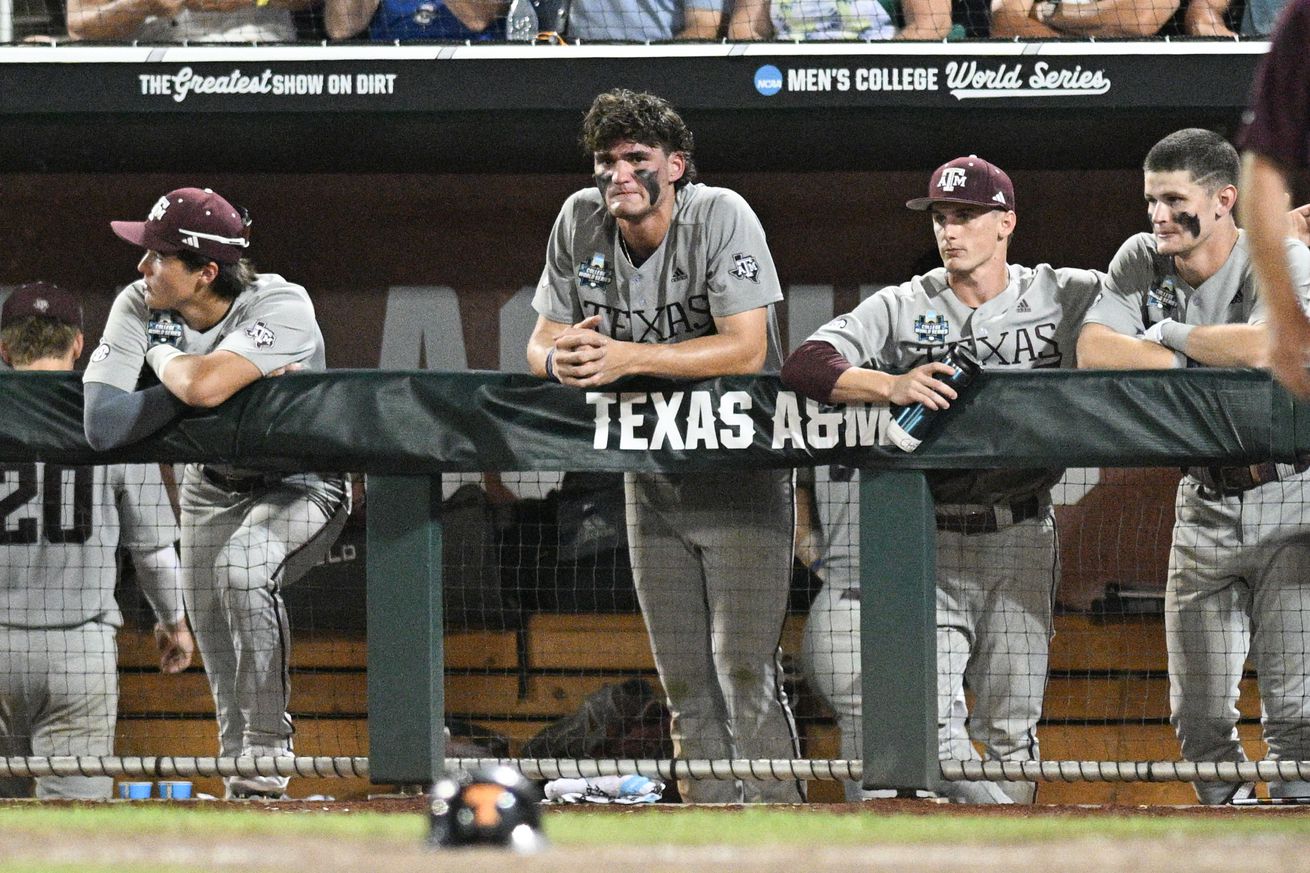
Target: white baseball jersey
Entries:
(59, 528)
(1143, 288)
(714, 262)
(1033, 323)
(271, 325)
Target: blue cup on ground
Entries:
(135, 790)
(175, 790)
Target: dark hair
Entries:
(232, 279)
(33, 338)
(1210, 158)
(621, 114)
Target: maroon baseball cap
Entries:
(191, 219)
(971, 181)
(41, 300)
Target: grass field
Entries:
(119, 837)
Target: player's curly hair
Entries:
(1211, 159)
(232, 279)
(621, 114)
(35, 337)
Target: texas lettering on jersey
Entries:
(1020, 347)
(660, 324)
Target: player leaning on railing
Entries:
(208, 325)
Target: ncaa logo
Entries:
(768, 80)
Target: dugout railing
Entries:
(405, 429)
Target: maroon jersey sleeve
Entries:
(1277, 124)
(813, 369)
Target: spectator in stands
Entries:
(839, 19)
(641, 20)
(1210, 17)
(58, 618)
(1045, 19)
(471, 20)
(184, 20)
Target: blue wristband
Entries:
(550, 366)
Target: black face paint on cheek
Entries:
(603, 182)
(1189, 222)
(650, 183)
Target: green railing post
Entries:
(406, 654)
(898, 629)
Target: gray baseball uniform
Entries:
(711, 553)
(1240, 549)
(245, 535)
(996, 553)
(58, 618)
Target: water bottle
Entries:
(911, 424)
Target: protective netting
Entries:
(588, 21)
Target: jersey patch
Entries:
(101, 352)
(932, 327)
(261, 334)
(1023, 307)
(679, 274)
(595, 274)
(163, 328)
(746, 267)
(1163, 295)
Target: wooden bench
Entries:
(1107, 697)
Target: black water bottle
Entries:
(911, 424)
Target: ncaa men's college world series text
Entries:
(186, 82)
(964, 80)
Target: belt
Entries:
(240, 484)
(1231, 481)
(971, 519)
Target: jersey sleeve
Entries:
(145, 512)
(279, 330)
(863, 335)
(118, 358)
(556, 298)
(1278, 120)
(740, 274)
(1119, 306)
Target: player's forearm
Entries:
(476, 15)
(702, 358)
(202, 381)
(1101, 348)
(862, 385)
(112, 417)
(750, 20)
(1229, 345)
(343, 19)
(160, 576)
(1264, 190)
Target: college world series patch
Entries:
(595, 274)
(932, 327)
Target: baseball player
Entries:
(60, 529)
(1274, 143)
(1185, 295)
(996, 551)
(651, 273)
(208, 325)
